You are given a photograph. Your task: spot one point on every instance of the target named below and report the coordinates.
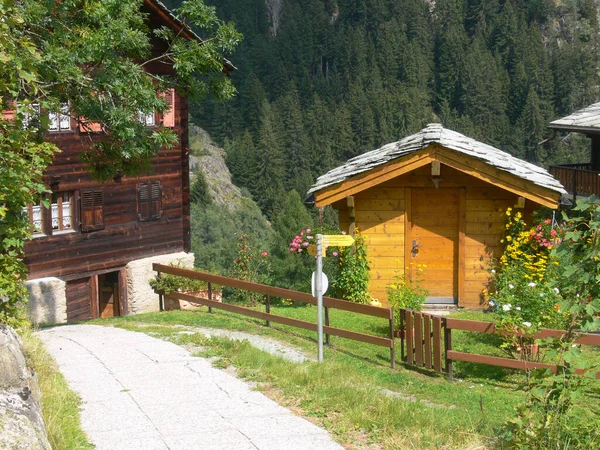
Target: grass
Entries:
(344, 394)
(60, 405)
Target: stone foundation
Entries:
(47, 300)
(140, 296)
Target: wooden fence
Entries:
(426, 341)
(270, 291)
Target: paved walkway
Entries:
(141, 392)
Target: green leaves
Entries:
(98, 56)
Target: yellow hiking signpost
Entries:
(338, 240)
(331, 240)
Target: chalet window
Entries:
(147, 119)
(59, 217)
(149, 201)
(32, 114)
(35, 213)
(61, 120)
(92, 210)
(62, 211)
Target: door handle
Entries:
(415, 248)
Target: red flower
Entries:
(263, 254)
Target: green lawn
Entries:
(344, 394)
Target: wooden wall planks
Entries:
(381, 217)
(124, 237)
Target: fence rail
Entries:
(426, 341)
(297, 296)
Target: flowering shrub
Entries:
(522, 296)
(251, 265)
(528, 248)
(350, 270)
(551, 416)
(406, 290)
(352, 281)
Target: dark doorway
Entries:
(108, 295)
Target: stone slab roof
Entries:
(585, 119)
(435, 133)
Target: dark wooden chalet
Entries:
(581, 178)
(93, 248)
(438, 199)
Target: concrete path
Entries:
(144, 393)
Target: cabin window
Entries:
(31, 115)
(60, 120)
(62, 211)
(59, 217)
(149, 201)
(92, 210)
(35, 213)
(147, 119)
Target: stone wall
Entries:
(140, 296)
(47, 300)
(21, 423)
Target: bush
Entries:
(406, 290)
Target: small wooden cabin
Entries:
(436, 198)
(93, 249)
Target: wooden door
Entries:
(433, 241)
(108, 294)
(78, 299)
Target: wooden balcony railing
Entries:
(578, 179)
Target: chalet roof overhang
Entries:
(173, 22)
(435, 143)
(585, 120)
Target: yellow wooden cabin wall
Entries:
(380, 216)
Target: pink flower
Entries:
(305, 244)
(335, 253)
(292, 249)
(343, 232)
(299, 250)
(308, 230)
(263, 254)
(309, 237)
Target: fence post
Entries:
(268, 308)
(402, 331)
(161, 301)
(210, 296)
(327, 340)
(447, 347)
(392, 348)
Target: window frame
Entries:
(149, 200)
(46, 220)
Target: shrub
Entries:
(406, 290)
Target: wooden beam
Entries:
(462, 231)
(483, 171)
(351, 216)
(520, 202)
(436, 168)
(373, 177)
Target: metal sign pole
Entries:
(319, 285)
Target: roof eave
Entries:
(178, 25)
(574, 128)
